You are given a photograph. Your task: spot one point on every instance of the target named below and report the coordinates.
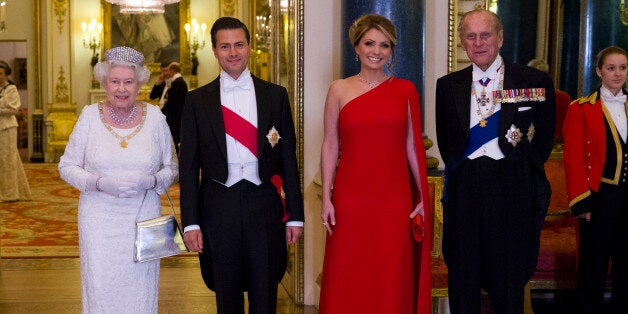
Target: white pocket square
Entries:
(523, 108)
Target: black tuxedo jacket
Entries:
(204, 146)
(173, 108)
(453, 95)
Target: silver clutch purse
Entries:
(158, 237)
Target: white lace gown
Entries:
(111, 281)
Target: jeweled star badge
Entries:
(513, 135)
(531, 131)
(273, 137)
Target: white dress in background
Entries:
(14, 185)
(111, 281)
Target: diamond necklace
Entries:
(122, 121)
(371, 85)
(123, 139)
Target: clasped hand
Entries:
(126, 187)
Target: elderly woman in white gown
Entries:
(121, 157)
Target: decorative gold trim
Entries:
(60, 8)
(623, 13)
(36, 128)
(184, 48)
(579, 198)
(552, 284)
(228, 8)
(437, 215)
(609, 118)
(451, 33)
(455, 62)
(62, 94)
(591, 99)
(440, 292)
(299, 99)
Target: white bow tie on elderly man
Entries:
(229, 85)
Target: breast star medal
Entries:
(514, 135)
(273, 137)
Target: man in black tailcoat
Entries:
(495, 130)
(241, 198)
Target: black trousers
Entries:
(485, 228)
(604, 238)
(245, 247)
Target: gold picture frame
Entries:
(157, 48)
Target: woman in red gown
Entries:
(374, 158)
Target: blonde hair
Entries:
(374, 21)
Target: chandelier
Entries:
(142, 6)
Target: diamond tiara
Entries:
(126, 54)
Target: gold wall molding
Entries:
(456, 57)
(62, 94)
(228, 8)
(61, 8)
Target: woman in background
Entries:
(373, 156)
(14, 185)
(121, 157)
(596, 167)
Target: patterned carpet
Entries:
(47, 225)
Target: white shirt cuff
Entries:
(191, 227)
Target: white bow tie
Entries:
(608, 96)
(616, 99)
(232, 84)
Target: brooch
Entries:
(513, 135)
(531, 131)
(273, 137)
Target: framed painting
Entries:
(160, 37)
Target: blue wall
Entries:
(408, 16)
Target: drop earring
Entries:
(357, 58)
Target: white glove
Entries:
(117, 187)
(142, 183)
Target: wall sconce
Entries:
(91, 40)
(196, 39)
(3, 23)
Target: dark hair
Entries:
(165, 64)
(374, 21)
(175, 66)
(601, 56)
(6, 67)
(227, 22)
